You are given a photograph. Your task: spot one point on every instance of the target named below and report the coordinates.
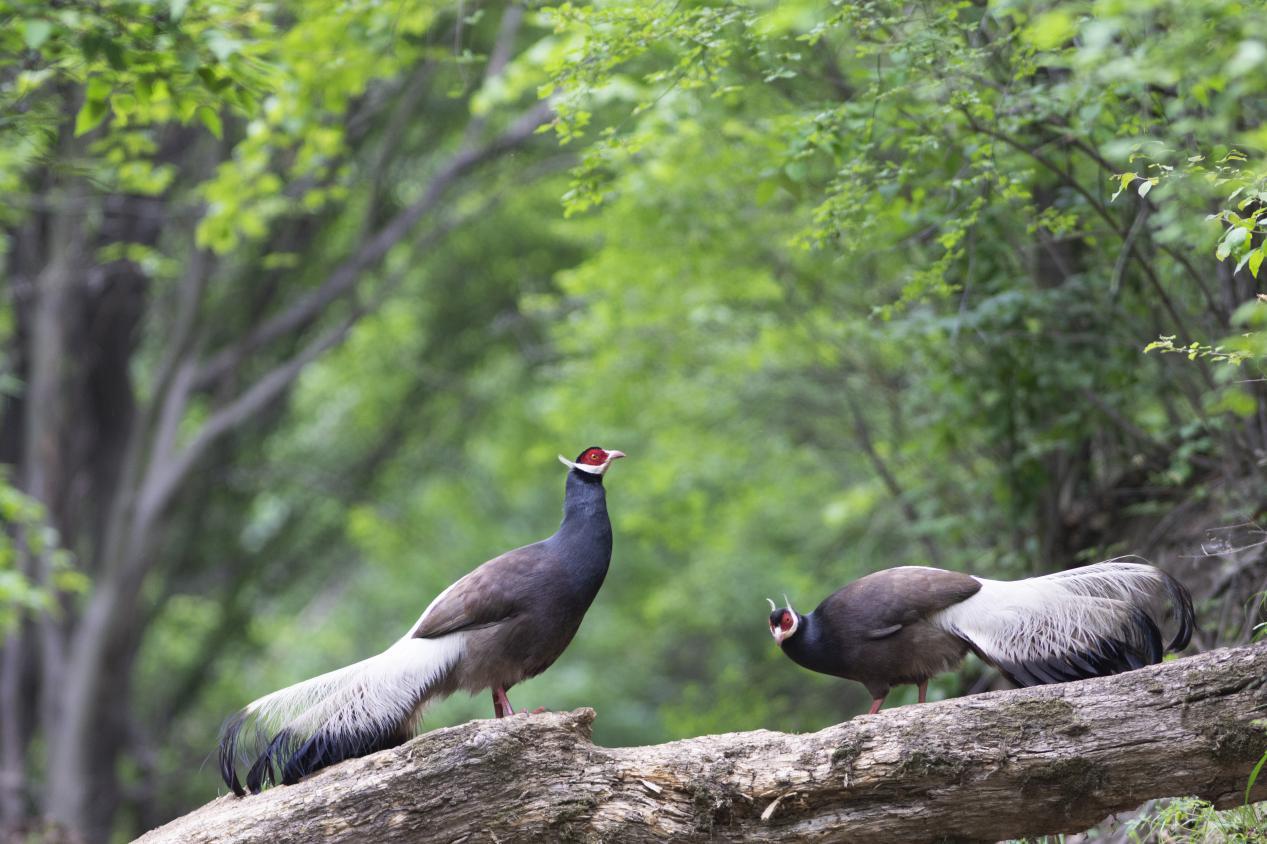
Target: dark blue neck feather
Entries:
(811, 645)
(585, 536)
(584, 503)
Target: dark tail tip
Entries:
(1106, 655)
(1182, 608)
(262, 773)
(1150, 637)
(325, 749)
(289, 757)
(228, 752)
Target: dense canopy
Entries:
(301, 299)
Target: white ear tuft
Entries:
(581, 467)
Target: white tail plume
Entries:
(350, 711)
(1084, 622)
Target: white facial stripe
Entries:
(780, 634)
(583, 467)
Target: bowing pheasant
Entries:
(905, 625)
(502, 623)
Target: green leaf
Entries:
(176, 8)
(1234, 401)
(1253, 776)
(70, 580)
(186, 107)
(766, 189)
(1234, 238)
(91, 43)
(1243, 261)
(1251, 313)
(1125, 182)
(90, 116)
(221, 45)
(1256, 259)
(280, 260)
(98, 88)
(211, 119)
(96, 105)
(114, 54)
(36, 32)
(1051, 29)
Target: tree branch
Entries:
(169, 467)
(1007, 764)
(1129, 246)
(862, 435)
(344, 277)
(169, 474)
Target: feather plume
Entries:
(365, 707)
(1085, 622)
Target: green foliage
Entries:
(1241, 240)
(1195, 349)
(1189, 819)
(855, 284)
(128, 67)
(1253, 776)
(329, 57)
(791, 224)
(27, 537)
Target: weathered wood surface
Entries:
(1007, 764)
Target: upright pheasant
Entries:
(504, 622)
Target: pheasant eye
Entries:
(785, 623)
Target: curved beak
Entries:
(778, 635)
(614, 455)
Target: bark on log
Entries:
(1007, 764)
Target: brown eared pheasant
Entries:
(502, 623)
(904, 625)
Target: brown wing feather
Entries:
(487, 596)
(880, 604)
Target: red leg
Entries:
(923, 691)
(876, 704)
(503, 709)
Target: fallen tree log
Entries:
(1007, 764)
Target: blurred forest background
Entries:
(301, 299)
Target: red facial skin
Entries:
(593, 457)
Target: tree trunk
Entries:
(81, 412)
(14, 730)
(109, 464)
(1008, 764)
